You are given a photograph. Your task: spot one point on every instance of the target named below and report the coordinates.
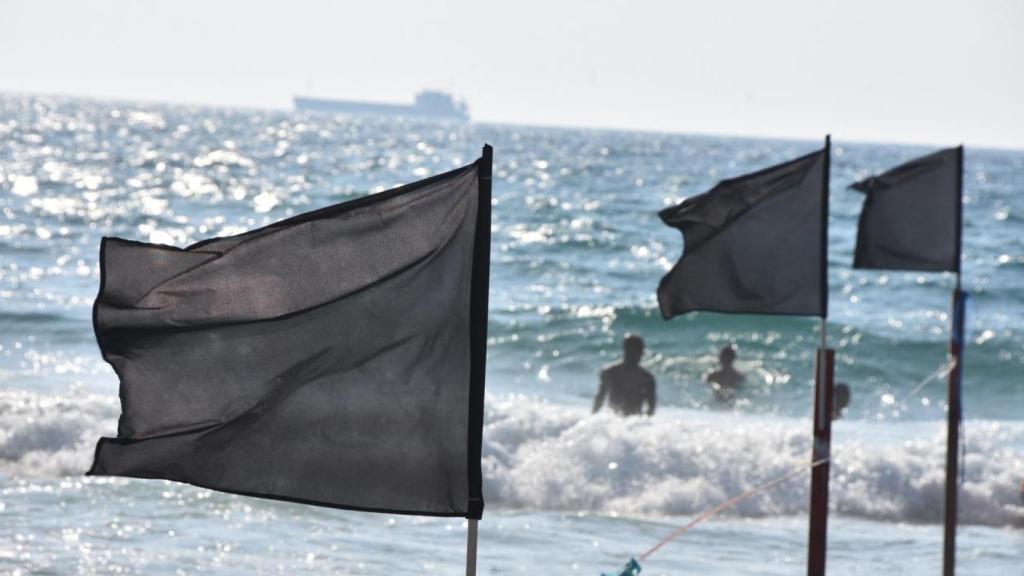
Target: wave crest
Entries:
(543, 456)
(52, 435)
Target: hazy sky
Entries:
(933, 71)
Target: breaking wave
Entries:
(544, 456)
(52, 435)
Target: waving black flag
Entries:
(911, 216)
(335, 358)
(753, 244)
(912, 220)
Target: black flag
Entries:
(911, 215)
(753, 244)
(335, 358)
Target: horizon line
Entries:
(527, 124)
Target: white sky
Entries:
(938, 72)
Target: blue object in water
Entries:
(632, 568)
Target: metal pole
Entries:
(471, 536)
(817, 540)
(954, 414)
(819, 399)
(817, 544)
(478, 361)
(953, 419)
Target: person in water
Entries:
(626, 384)
(727, 380)
(840, 399)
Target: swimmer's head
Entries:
(840, 396)
(727, 355)
(633, 348)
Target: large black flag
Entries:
(335, 358)
(753, 244)
(911, 215)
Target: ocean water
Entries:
(577, 253)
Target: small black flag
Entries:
(334, 358)
(911, 215)
(753, 244)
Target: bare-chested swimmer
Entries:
(726, 381)
(626, 384)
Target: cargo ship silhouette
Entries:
(428, 103)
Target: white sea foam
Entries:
(540, 456)
(52, 435)
(543, 456)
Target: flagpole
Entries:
(471, 538)
(478, 362)
(954, 414)
(822, 445)
(821, 452)
(953, 419)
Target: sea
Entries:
(577, 253)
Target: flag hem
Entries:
(262, 495)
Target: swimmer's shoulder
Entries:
(647, 374)
(611, 369)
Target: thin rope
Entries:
(939, 373)
(729, 504)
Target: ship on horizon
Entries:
(428, 103)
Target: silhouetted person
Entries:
(726, 380)
(626, 384)
(840, 399)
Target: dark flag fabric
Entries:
(753, 244)
(911, 216)
(334, 358)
